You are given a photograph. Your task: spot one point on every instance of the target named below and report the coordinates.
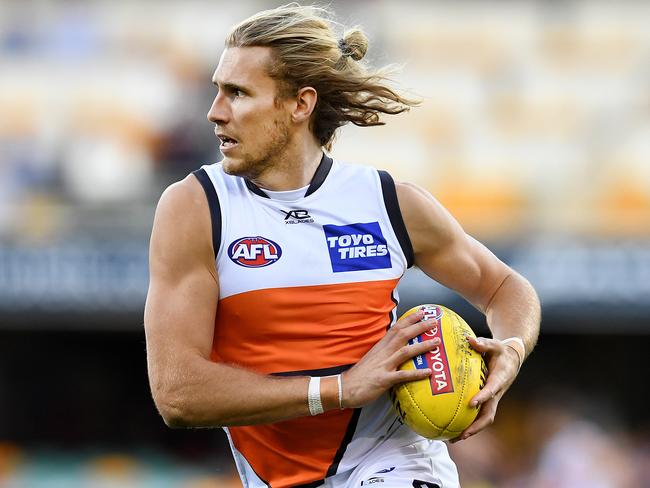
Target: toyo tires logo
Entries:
(254, 252)
(357, 247)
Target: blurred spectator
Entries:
(480, 460)
(576, 450)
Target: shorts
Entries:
(425, 464)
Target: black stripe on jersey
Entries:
(255, 189)
(316, 182)
(390, 314)
(347, 438)
(213, 204)
(319, 176)
(313, 484)
(316, 372)
(395, 215)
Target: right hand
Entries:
(378, 370)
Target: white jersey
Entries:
(307, 285)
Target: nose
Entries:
(219, 113)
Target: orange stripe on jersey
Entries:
(293, 452)
(281, 330)
(302, 328)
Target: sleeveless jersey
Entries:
(307, 287)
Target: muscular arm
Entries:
(447, 254)
(451, 257)
(188, 388)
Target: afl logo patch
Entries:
(254, 252)
(431, 312)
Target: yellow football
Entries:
(438, 407)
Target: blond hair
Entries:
(306, 52)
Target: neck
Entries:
(293, 169)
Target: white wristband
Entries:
(517, 340)
(339, 379)
(313, 396)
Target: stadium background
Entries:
(534, 131)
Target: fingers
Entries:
(501, 372)
(489, 391)
(416, 329)
(495, 385)
(498, 380)
(492, 387)
(484, 345)
(400, 335)
(407, 352)
(414, 318)
(404, 376)
(484, 419)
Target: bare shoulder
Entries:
(182, 226)
(181, 196)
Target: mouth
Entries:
(227, 142)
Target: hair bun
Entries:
(354, 44)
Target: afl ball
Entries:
(438, 407)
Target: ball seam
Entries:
(413, 402)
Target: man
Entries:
(272, 304)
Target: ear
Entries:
(305, 103)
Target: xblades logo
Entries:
(297, 217)
(373, 480)
(296, 214)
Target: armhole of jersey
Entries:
(389, 192)
(215, 208)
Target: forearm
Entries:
(208, 394)
(514, 311)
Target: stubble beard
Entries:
(252, 166)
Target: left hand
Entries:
(503, 365)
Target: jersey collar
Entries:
(318, 179)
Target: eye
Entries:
(238, 93)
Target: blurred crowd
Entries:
(535, 115)
(558, 440)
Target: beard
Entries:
(253, 163)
